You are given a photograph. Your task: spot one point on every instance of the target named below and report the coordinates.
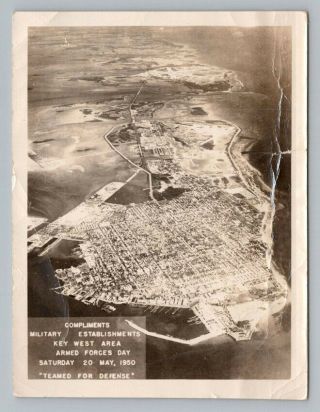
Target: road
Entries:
(121, 154)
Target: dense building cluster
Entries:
(202, 249)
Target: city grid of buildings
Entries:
(202, 249)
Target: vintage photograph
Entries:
(159, 204)
(159, 192)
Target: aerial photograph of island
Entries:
(159, 163)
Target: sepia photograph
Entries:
(159, 202)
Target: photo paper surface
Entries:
(159, 204)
